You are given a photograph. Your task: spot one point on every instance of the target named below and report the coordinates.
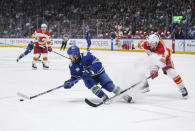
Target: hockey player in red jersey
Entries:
(42, 42)
(154, 46)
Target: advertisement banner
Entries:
(95, 43)
(105, 44)
(17, 42)
(180, 45)
(190, 45)
(126, 44)
(168, 43)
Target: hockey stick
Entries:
(96, 105)
(60, 54)
(55, 52)
(42, 93)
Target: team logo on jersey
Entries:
(77, 69)
(42, 39)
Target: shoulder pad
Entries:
(162, 41)
(85, 53)
(70, 65)
(47, 33)
(38, 31)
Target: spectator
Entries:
(20, 18)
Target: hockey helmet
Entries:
(153, 41)
(73, 50)
(31, 42)
(43, 26)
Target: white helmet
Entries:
(43, 25)
(153, 41)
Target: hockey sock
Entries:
(35, 59)
(176, 78)
(21, 56)
(45, 59)
(116, 90)
(178, 81)
(97, 91)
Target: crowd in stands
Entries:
(127, 18)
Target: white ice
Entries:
(65, 110)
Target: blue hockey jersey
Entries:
(88, 62)
(30, 46)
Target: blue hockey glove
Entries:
(68, 84)
(86, 74)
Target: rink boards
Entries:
(180, 46)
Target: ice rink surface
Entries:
(65, 110)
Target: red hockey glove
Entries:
(49, 49)
(154, 72)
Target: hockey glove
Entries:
(49, 49)
(86, 74)
(68, 84)
(154, 71)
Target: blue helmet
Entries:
(73, 50)
(31, 42)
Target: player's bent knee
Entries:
(35, 59)
(109, 86)
(26, 52)
(89, 83)
(45, 58)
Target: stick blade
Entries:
(92, 104)
(23, 96)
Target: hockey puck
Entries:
(21, 99)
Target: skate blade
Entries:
(185, 97)
(145, 90)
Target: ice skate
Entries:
(184, 92)
(45, 67)
(127, 98)
(145, 88)
(105, 99)
(17, 60)
(34, 67)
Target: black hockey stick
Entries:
(42, 93)
(34, 96)
(96, 105)
(55, 52)
(60, 54)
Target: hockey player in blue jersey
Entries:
(27, 51)
(90, 69)
(88, 37)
